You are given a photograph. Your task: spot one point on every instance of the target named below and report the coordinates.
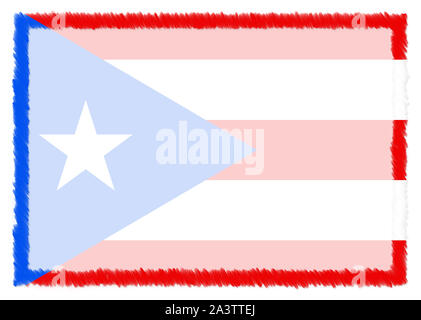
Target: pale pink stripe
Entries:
(322, 149)
(288, 255)
(234, 43)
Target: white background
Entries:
(411, 290)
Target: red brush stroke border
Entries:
(398, 149)
(255, 277)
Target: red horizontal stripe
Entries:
(320, 150)
(397, 23)
(233, 43)
(234, 255)
(256, 277)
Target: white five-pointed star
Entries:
(85, 150)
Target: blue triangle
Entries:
(66, 222)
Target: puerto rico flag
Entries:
(210, 149)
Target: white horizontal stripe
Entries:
(278, 89)
(275, 210)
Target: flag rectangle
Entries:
(321, 200)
